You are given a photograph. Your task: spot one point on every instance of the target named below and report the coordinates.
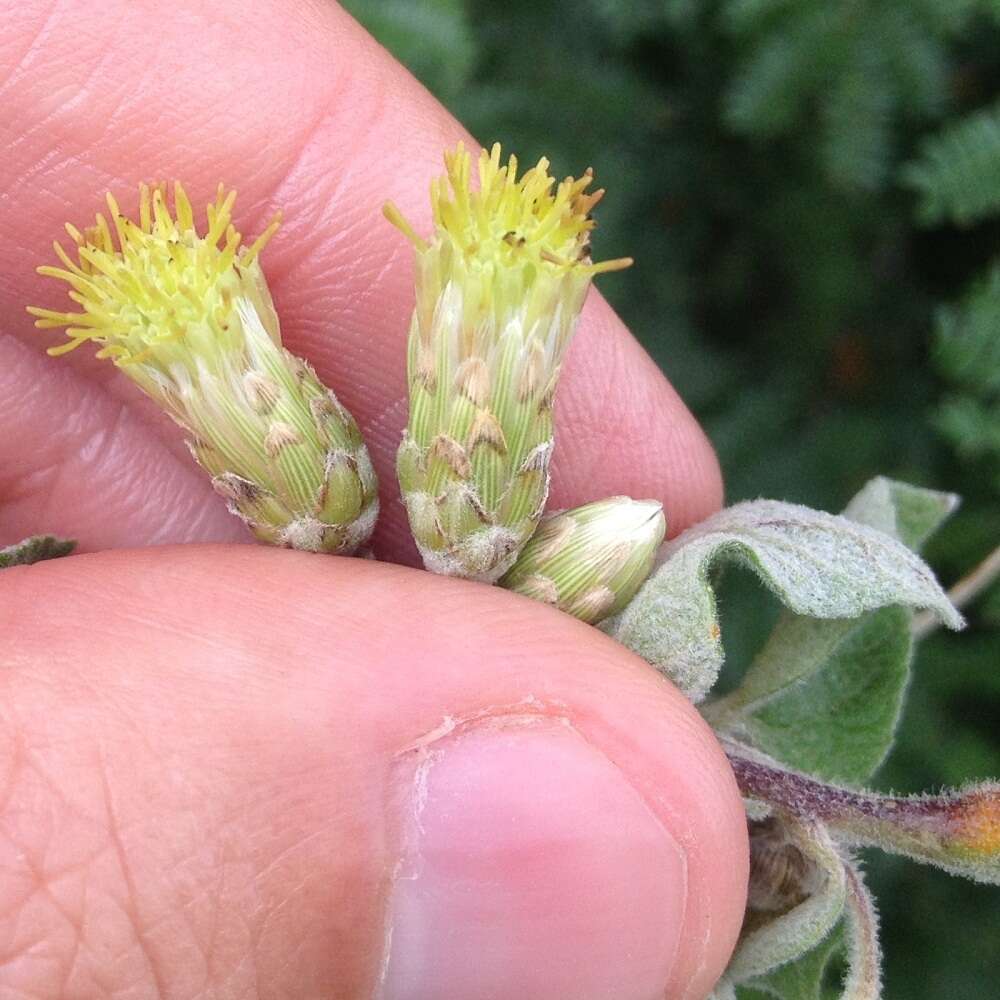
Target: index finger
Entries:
(299, 109)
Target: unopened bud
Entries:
(590, 561)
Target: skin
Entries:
(203, 747)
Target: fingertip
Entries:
(530, 868)
(466, 773)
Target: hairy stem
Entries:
(957, 831)
(962, 594)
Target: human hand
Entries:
(212, 758)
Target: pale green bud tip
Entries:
(499, 287)
(590, 561)
(189, 319)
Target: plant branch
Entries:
(962, 594)
(958, 831)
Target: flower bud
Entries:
(189, 319)
(590, 561)
(499, 287)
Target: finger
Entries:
(275, 775)
(94, 465)
(298, 108)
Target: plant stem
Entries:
(957, 831)
(963, 593)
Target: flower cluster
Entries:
(189, 319)
(499, 288)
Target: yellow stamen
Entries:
(249, 256)
(394, 215)
(143, 285)
(531, 219)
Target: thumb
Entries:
(244, 772)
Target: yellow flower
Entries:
(189, 319)
(499, 287)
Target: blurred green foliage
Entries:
(811, 190)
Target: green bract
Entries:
(590, 561)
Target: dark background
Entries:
(811, 191)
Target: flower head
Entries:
(499, 287)
(189, 318)
(590, 561)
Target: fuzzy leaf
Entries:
(864, 974)
(825, 696)
(724, 990)
(35, 549)
(818, 564)
(775, 934)
(803, 978)
(839, 722)
(910, 513)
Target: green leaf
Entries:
(777, 929)
(958, 173)
(972, 425)
(838, 723)
(910, 513)
(952, 16)
(802, 979)
(864, 972)
(819, 565)
(915, 56)
(748, 15)
(967, 348)
(825, 696)
(769, 92)
(857, 114)
(35, 549)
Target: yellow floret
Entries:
(141, 286)
(510, 219)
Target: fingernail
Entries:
(530, 868)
